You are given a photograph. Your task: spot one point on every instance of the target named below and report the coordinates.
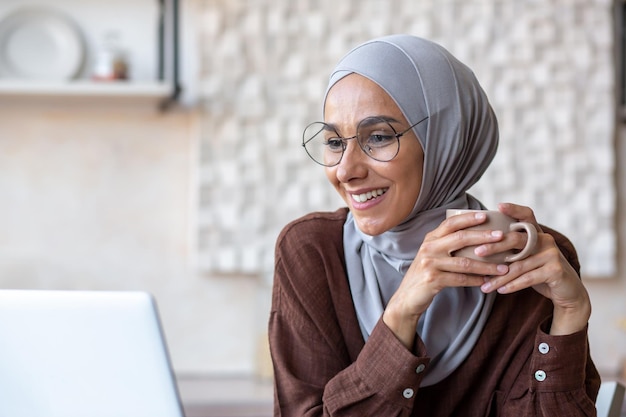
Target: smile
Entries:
(362, 198)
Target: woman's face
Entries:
(349, 101)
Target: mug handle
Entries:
(531, 231)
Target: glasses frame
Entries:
(344, 144)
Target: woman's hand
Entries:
(433, 269)
(547, 271)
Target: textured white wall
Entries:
(547, 67)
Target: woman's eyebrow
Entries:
(372, 120)
(368, 121)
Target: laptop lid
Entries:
(84, 353)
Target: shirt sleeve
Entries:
(385, 373)
(313, 377)
(558, 380)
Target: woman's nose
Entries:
(353, 163)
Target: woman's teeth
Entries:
(362, 198)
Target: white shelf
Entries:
(85, 88)
(85, 93)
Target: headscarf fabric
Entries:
(459, 139)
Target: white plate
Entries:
(40, 44)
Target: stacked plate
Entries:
(40, 44)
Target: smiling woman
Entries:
(371, 315)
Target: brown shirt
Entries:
(323, 367)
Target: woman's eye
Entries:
(377, 140)
(334, 144)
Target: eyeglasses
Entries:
(375, 136)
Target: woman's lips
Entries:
(366, 199)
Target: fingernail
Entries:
(480, 250)
(502, 268)
(496, 233)
(480, 215)
(502, 290)
(485, 287)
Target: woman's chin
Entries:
(371, 228)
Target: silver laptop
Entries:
(83, 353)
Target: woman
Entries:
(370, 315)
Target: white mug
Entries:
(498, 221)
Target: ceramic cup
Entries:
(498, 221)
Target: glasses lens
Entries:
(378, 139)
(323, 144)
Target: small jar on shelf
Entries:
(111, 61)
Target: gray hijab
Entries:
(459, 138)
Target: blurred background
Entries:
(155, 145)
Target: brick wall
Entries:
(546, 65)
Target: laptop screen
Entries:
(84, 353)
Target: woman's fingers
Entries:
(461, 265)
(453, 234)
(429, 276)
(545, 271)
(520, 213)
(439, 272)
(515, 279)
(511, 240)
(448, 279)
(459, 222)
(528, 272)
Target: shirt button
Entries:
(544, 348)
(540, 375)
(420, 368)
(408, 393)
